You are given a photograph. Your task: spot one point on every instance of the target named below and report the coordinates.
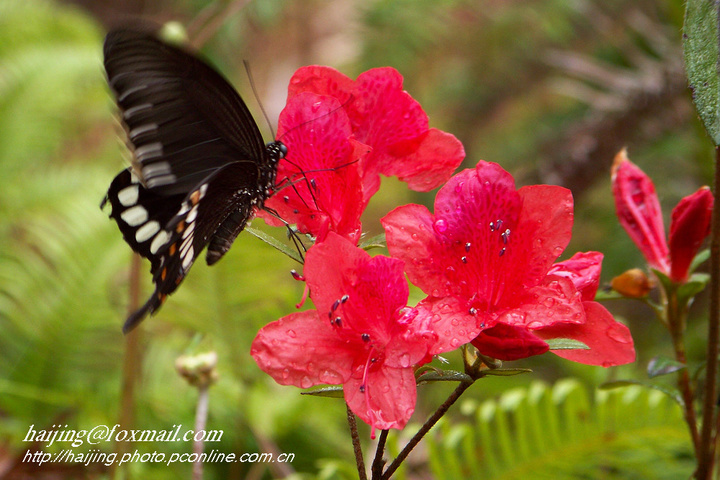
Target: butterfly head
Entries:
(276, 150)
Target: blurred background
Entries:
(549, 89)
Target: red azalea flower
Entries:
(389, 120)
(361, 335)
(488, 252)
(638, 210)
(319, 184)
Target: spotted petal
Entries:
(302, 349)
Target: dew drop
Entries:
(291, 333)
(617, 333)
(455, 322)
(404, 360)
(285, 374)
(535, 325)
(306, 382)
(329, 377)
(549, 302)
(440, 226)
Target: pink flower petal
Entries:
(554, 301)
(610, 342)
(320, 176)
(509, 342)
(583, 269)
(689, 226)
(638, 210)
(543, 231)
(451, 320)
(432, 164)
(375, 286)
(302, 350)
(386, 399)
(411, 238)
(322, 81)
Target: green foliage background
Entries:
(521, 83)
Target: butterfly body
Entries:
(200, 167)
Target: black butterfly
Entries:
(200, 166)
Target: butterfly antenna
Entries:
(257, 97)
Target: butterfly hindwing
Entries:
(200, 167)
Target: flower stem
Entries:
(707, 437)
(425, 428)
(676, 324)
(360, 462)
(378, 462)
(201, 414)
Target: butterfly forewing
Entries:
(200, 166)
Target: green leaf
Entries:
(566, 344)
(443, 376)
(699, 259)
(670, 392)
(377, 241)
(695, 284)
(274, 242)
(664, 280)
(701, 61)
(660, 365)
(602, 295)
(332, 391)
(505, 372)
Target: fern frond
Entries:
(558, 433)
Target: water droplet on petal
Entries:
(549, 302)
(404, 360)
(291, 333)
(534, 325)
(440, 226)
(618, 333)
(306, 382)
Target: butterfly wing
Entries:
(182, 118)
(171, 231)
(199, 162)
